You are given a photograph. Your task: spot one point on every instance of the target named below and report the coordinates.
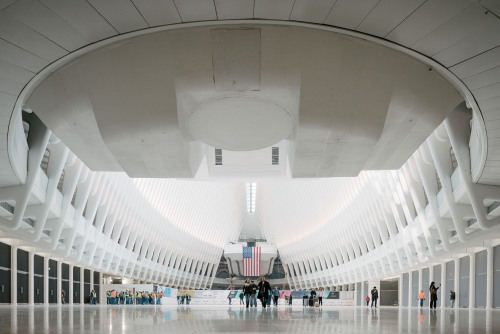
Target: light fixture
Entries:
(251, 192)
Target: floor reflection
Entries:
(203, 319)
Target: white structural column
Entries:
(59, 282)
(71, 293)
(431, 275)
(31, 278)
(489, 277)
(419, 280)
(46, 293)
(443, 285)
(457, 283)
(410, 288)
(363, 293)
(400, 291)
(472, 280)
(13, 275)
(91, 281)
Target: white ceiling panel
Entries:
(349, 13)
(234, 9)
(10, 87)
(273, 9)
(492, 114)
(121, 14)
(483, 79)
(8, 99)
(425, 19)
(487, 92)
(493, 5)
(83, 18)
(483, 40)
(15, 73)
(467, 23)
(6, 3)
(47, 23)
(196, 10)
(478, 64)
(488, 104)
(6, 109)
(26, 38)
(387, 15)
(314, 11)
(158, 12)
(17, 56)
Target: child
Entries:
(367, 300)
(421, 296)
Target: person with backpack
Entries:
(374, 296)
(434, 297)
(452, 298)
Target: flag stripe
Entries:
(251, 261)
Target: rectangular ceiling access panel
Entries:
(236, 59)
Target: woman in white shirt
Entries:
(320, 296)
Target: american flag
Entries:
(251, 261)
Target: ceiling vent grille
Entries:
(218, 156)
(276, 156)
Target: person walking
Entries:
(367, 301)
(434, 297)
(374, 296)
(264, 291)
(276, 296)
(229, 296)
(452, 298)
(247, 291)
(253, 296)
(421, 297)
(242, 295)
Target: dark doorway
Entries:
(5, 273)
(38, 266)
(389, 292)
(22, 276)
(53, 282)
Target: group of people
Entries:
(313, 298)
(433, 292)
(127, 297)
(261, 291)
(183, 299)
(374, 294)
(421, 296)
(266, 294)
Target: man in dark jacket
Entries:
(264, 291)
(374, 296)
(452, 298)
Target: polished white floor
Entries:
(233, 319)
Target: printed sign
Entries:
(333, 295)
